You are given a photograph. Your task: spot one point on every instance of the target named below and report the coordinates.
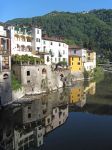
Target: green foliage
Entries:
(15, 83)
(92, 30)
(88, 74)
(17, 59)
(62, 63)
(98, 74)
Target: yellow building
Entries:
(75, 63)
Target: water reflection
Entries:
(25, 126)
(78, 92)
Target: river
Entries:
(77, 117)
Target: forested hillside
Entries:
(91, 30)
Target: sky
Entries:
(11, 9)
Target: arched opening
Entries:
(22, 47)
(5, 76)
(44, 71)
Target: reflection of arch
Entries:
(44, 71)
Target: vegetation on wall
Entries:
(15, 83)
(92, 30)
(17, 59)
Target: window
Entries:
(47, 58)
(51, 43)
(28, 81)
(72, 58)
(72, 63)
(74, 51)
(37, 40)
(48, 120)
(59, 44)
(44, 42)
(29, 115)
(55, 59)
(78, 63)
(5, 62)
(38, 48)
(37, 31)
(79, 58)
(29, 107)
(63, 52)
(59, 59)
(44, 48)
(28, 73)
(64, 59)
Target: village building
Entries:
(5, 66)
(29, 40)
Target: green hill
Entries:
(91, 30)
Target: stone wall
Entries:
(5, 88)
(37, 79)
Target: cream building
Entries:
(29, 40)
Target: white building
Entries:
(21, 40)
(29, 41)
(57, 50)
(91, 61)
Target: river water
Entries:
(77, 117)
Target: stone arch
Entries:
(61, 75)
(44, 71)
(5, 76)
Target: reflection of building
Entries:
(78, 93)
(29, 123)
(91, 88)
(5, 66)
(42, 115)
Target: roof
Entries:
(53, 39)
(74, 47)
(74, 56)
